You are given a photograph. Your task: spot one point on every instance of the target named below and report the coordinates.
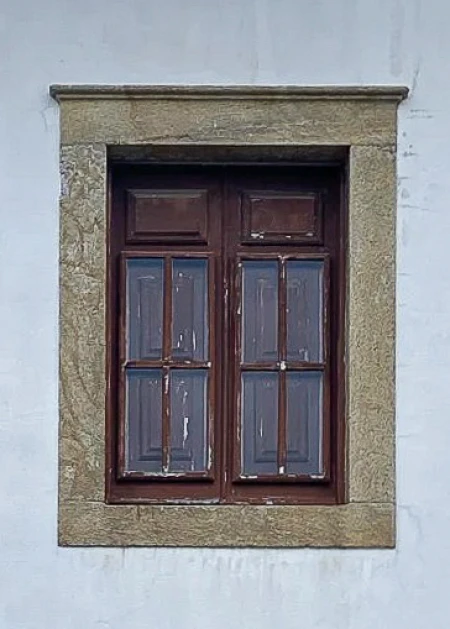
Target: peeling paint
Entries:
(185, 429)
(210, 458)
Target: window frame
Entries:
(165, 363)
(229, 247)
(283, 365)
(173, 488)
(356, 126)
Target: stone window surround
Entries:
(354, 124)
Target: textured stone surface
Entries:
(168, 121)
(82, 315)
(369, 518)
(252, 92)
(351, 525)
(371, 325)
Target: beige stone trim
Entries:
(314, 116)
(360, 120)
(393, 93)
(352, 525)
(371, 325)
(82, 323)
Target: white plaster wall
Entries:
(220, 41)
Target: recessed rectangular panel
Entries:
(144, 420)
(144, 308)
(259, 311)
(190, 309)
(259, 430)
(167, 215)
(304, 422)
(305, 296)
(281, 217)
(188, 420)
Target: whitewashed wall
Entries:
(224, 42)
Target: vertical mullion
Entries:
(326, 331)
(123, 333)
(167, 350)
(238, 293)
(211, 274)
(326, 315)
(282, 351)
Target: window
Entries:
(226, 319)
(354, 128)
